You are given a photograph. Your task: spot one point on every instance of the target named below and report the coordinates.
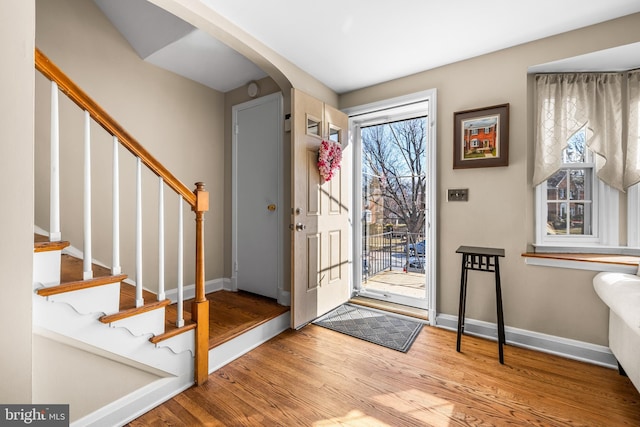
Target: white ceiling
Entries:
(352, 44)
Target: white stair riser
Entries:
(46, 269)
(99, 299)
(150, 322)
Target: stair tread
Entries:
(42, 244)
(129, 312)
(172, 331)
(80, 284)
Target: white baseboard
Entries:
(130, 407)
(190, 290)
(571, 349)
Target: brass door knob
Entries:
(271, 207)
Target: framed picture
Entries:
(481, 137)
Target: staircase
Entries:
(97, 309)
(103, 343)
(99, 316)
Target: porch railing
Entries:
(197, 199)
(392, 250)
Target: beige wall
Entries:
(16, 221)
(554, 301)
(178, 121)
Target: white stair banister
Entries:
(54, 192)
(180, 317)
(161, 294)
(139, 297)
(115, 257)
(87, 267)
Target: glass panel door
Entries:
(394, 243)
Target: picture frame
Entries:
(481, 137)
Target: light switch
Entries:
(458, 194)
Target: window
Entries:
(569, 192)
(586, 162)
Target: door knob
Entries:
(300, 226)
(271, 207)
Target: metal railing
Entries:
(392, 250)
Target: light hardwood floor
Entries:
(318, 377)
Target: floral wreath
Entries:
(329, 157)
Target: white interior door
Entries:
(320, 214)
(257, 195)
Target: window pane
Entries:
(579, 217)
(556, 218)
(576, 181)
(575, 151)
(557, 186)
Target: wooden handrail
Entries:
(80, 98)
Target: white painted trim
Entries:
(580, 265)
(284, 298)
(633, 216)
(137, 403)
(405, 106)
(571, 349)
(190, 290)
(234, 188)
(231, 350)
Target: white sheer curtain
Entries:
(632, 164)
(566, 103)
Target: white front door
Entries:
(320, 212)
(257, 195)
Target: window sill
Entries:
(584, 261)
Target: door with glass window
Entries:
(321, 210)
(395, 245)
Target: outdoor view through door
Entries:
(395, 242)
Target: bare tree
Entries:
(394, 159)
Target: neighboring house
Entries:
(553, 304)
(480, 139)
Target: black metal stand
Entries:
(480, 259)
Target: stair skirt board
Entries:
(103, 299)
(186, 341)
(115, 343)
(150, 322)
(231, 350)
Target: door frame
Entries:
(283, 296)
(409, 104)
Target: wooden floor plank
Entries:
(318, 377)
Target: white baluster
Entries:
(115, 258)
(87, 267)
(139, 297)
(161, 294)
(54, 191)
(180, 318)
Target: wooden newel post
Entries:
(200, 307)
